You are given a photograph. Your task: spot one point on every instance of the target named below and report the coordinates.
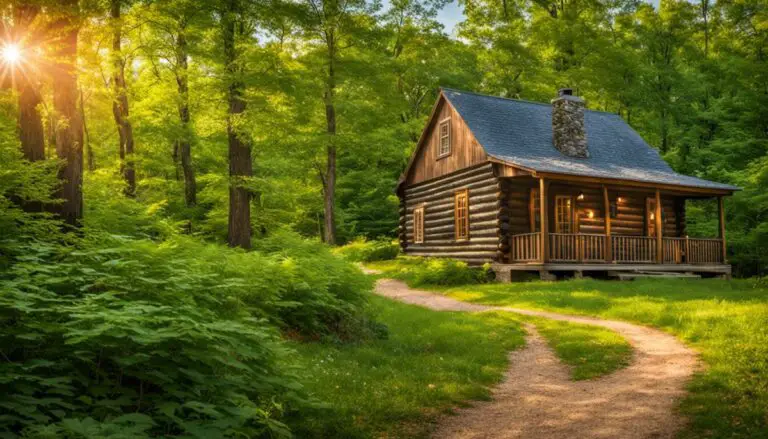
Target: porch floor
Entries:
(504, 271)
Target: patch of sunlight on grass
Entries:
(431, 362)
(467, 296)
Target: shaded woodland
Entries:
(171, 170)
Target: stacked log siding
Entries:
(437, 197)
(631, 211)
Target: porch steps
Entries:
(652, 275)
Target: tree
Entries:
(69, 125)
(240, 166)
(120, 108)
(26, 36)
(172, 23)
(332, 23)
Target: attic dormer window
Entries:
(444, 145)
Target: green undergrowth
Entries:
(395, 387)
(418, 272)
(115, 336)
(362, 250)
(726, 321)
(590, 350)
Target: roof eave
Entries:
(607, 180)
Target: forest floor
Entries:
(726, 322)
(539, 399)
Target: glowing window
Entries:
(418, 225)
(461, 214)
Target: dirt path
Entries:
(537, 399)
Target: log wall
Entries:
(631, 209)
(437, 197)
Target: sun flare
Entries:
(11, 54)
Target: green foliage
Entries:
(727, 321)
(434, 271)
(397, 387)
(129, 339)
(318, 294)
(362, 250)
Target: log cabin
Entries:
(549, 188)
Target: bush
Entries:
(320, 294)
(96, 343)
(361, 250)
(437, 271)
(119, 337)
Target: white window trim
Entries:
(440, 153)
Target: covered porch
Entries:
(577, 225)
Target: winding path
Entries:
(537, 398)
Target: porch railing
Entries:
(569, 247)
(526, 247)
(632, 249)
(624, 249)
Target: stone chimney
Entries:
(568, 134)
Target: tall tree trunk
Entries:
(329, 180)
(68, 127)
(31, 131)
(240, 166)
(120, 103)
(184, 143)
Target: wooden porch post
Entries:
(607, 211)
(659, 225)
(544, 226)
(721, 217)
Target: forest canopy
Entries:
(137, 137)
(235, 118)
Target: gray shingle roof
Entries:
(520, 132)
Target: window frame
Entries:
(534, 210)
(571, 214)
(418, 224)
(650, 210)
(461, 222)
(449, 148)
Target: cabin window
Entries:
(418, 225)
(563, 214)
(650, 215)
(461, 214)
(535, 211)
(444, 147)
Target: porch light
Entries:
(653, 216)
(620, 199)
(581, 196)
(590, 214)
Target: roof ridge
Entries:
(525, 101)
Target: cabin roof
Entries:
(520, 133)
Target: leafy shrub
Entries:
(361, 250)
(108, 342)
(438, 271)
(320, 294)
(123, 337)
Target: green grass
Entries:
(727, 322)
(591, 351)
(431, 362)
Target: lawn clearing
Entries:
(727, 322)
(431, 362)
(591, 351)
